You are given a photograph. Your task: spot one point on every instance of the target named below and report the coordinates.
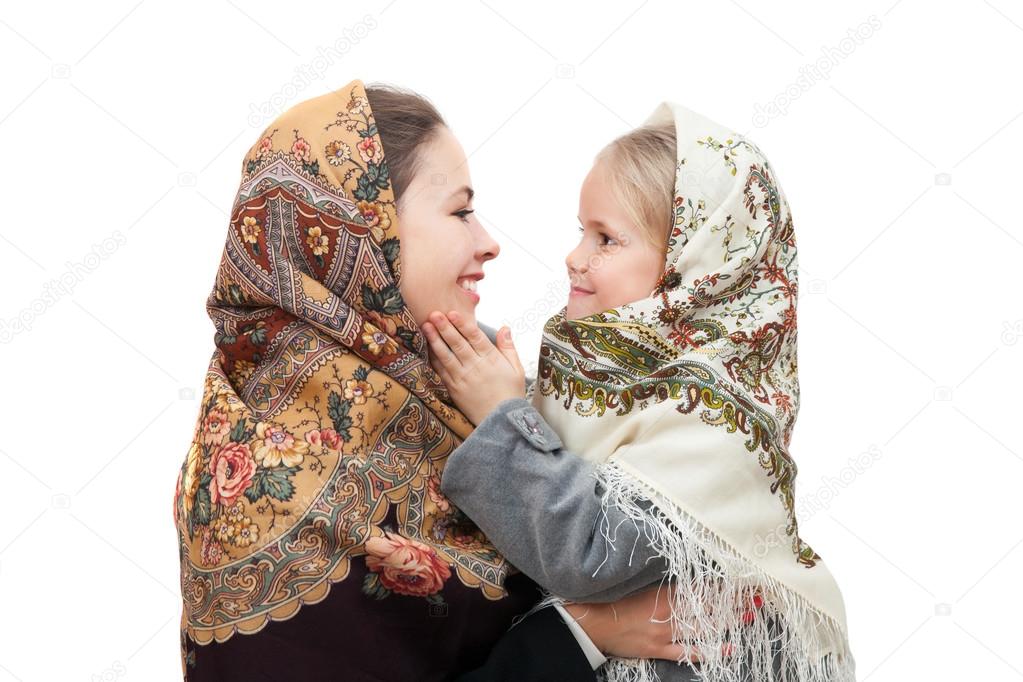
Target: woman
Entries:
(314, 540)
(660, 422)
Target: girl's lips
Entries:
(577, 291)
(471, 294)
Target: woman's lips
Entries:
(579, 291)
(473, 296)
(467, 285)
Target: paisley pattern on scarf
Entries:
(320, 414)
(724, 341)
(686, 402)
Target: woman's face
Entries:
(614, 263)
(443, 245)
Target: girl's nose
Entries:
(576, 264)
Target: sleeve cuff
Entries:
(593, 654)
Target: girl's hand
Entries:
(638, 626)
(478, 375)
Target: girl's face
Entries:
(614, 263)
(443, 245)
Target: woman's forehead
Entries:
(444, 155)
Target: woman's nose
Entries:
(486, 247)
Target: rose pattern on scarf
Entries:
(320, 414)
(403, 566)
(256, 462)
(231, 470)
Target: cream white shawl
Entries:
(688, 398)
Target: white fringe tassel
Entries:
(713, 586)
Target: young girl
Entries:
(655, 446)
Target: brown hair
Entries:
(641, 170)
(406, 121)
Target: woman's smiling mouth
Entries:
(468, 286)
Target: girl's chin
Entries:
(576, 312)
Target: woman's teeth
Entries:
(468, 284)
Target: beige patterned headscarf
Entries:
(323, 430)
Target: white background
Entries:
(127, 122)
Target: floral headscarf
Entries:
(688, 399)
(323, 429)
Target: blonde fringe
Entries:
(713, 585)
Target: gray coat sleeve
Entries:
(541, 507)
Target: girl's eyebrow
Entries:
(598, 223)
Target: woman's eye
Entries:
(606, 241)
(463, 215)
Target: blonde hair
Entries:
(640, 167)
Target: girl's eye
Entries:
(603, 238)
(463, 215)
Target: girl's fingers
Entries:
(472, 333)
(453, 338)
(441, 372)
(435, 364)
(506, 345)
(444, 374)
(439, 350)
(446, 378)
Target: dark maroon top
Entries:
(355, 637)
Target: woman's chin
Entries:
(459, 303)
(465, 303)
(467, 311)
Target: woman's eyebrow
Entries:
(598, 223)
(469, 192)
